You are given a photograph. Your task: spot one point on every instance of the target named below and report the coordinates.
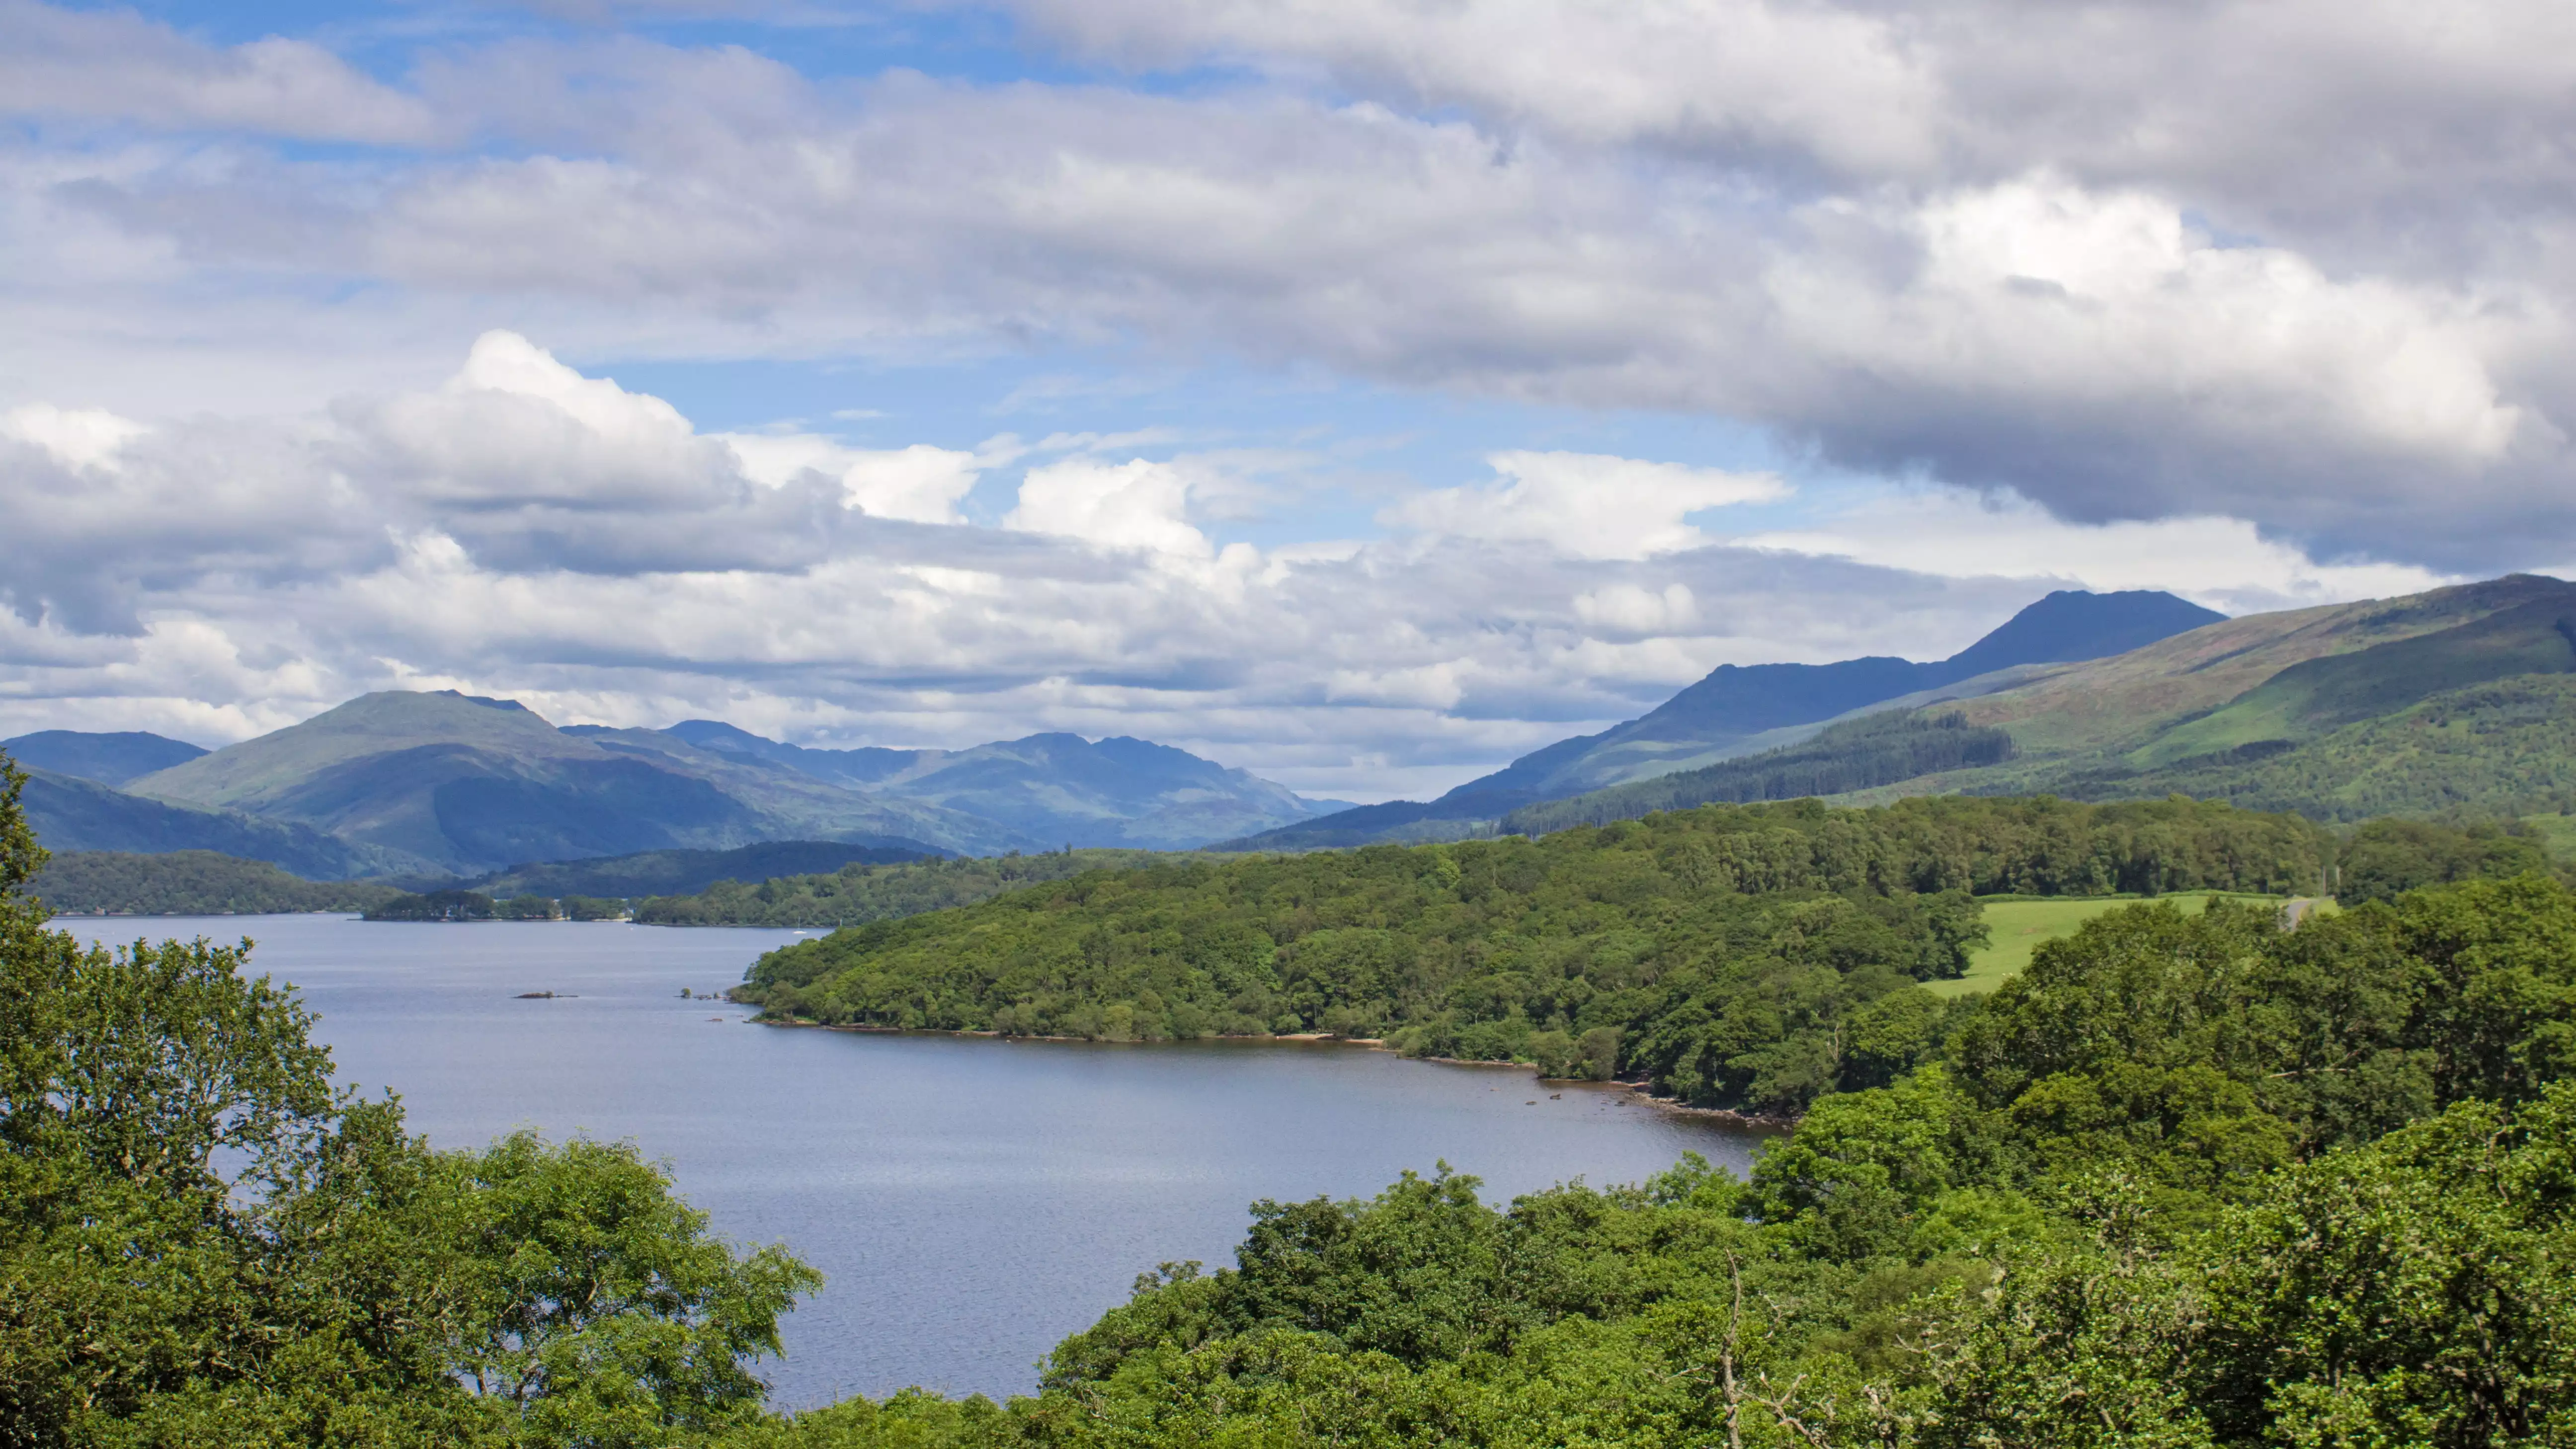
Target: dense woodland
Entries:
(2189, 1180)
(1750, 957)
(878, 891)
(190, 883)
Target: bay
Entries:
(971, 1200)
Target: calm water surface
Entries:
(971, 1200)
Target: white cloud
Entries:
(920, 483)
(1137, 504)
(79, 437)
(1635, 609)
(2221, 562)
(1590, 505)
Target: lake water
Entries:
(971, 1200)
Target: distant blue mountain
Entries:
(70, 814)
(1732, 710)
(110, 759)
(686, 872)
(448, 784)
(1059, 789)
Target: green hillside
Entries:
(2453, 702)
(862, 892)
(1736, 956)
(444, 783)
(682, 872)
(2495, 749)
(1878, 750)
(189, 883)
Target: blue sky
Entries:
(1363, 394)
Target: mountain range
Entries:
(445, 784)
(2457, 699)
(1742, 710)
(2460, 699)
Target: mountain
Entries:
(110, 759)
(1058, 789)
(449, 783)
(1743, 709)
(2458, 699)
(71, 814)
(446, 784)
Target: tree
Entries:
(201, 1242)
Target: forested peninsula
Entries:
(1743, 957)
(862, 892)
(2189, 1181)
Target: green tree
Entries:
(202, 1243)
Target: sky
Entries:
(1359, 392)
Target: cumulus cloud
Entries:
(920, 483)
(1133, 505)
(1590, 505)
(2126, 294)
(266, 570)
(2222, 562)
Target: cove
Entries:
(972, 1200)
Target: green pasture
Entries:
(2017, 928)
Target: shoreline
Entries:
(1750, 1121)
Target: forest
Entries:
(190, 883)
(1748, 957)
(862, 892)
(2189, 1180)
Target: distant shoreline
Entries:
(1750, 1121)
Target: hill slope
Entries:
(190, 883)
(684, 872)
(1744, 709)
(110, 759)
(1058, 789)
(2455, 699)
(84, 815)
(451, 783)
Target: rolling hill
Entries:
(1741, 710)
(110, 759)
(2460, 699)
(455, 784)
(436, 785)
(1058, 789)
(71, 814)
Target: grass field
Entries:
(2018, 927)
(2557, 834)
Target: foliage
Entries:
(2193, 1181)
(1741, 956)
(190, 883)
(2497, 748)
(680, 872)
(1881, 749)
(2386, 858)
(201, 1243)
(863, 892)
(436, 906)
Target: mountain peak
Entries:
(485, 700)
(110, 759)
(2073, 624)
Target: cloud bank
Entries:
(2258, 299)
